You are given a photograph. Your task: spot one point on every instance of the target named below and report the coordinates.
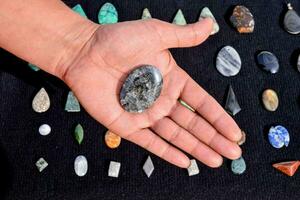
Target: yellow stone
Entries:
(112, 140)
(270, 100)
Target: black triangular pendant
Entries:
(291, 21)
(232, 106)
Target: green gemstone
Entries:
(108, 14)
(79, 10)
(186, 105)
(33, 67)
(146, 14)
(79, 133)
(179, 18)
(206, 13)
(72, 104)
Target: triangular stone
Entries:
(179, 18)
(72, 104)
(78, 9)
(232, 106)
(206, 13)
(108, 14)
(289, 168)
(146, 14)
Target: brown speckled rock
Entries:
(242, 19)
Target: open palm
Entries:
(96, 77)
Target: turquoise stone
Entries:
(179, 18)
(108, 14)
(146, 14)
(33, 67)
(78, 9)
(72, 104)
(238, 166)
(206, 13)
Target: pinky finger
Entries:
(156, 145)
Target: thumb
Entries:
(175, 36)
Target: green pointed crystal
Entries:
(79, 133)
(206, 13)
(108, 14)
(72, 104)
(78, 9)
(146, 14)
(186, 105)
(179, 18)
(33, 67)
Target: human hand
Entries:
(167, 128)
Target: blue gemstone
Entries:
(268, 61)
(238, 166)
(279, 137)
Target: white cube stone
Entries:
(193, 168)
(148, 167)
(44, 129)
(114, 169)
(41, 164)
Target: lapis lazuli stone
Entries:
(268, 61)
(228, 61)
(141, 88)
(279, 137)
(291, 21)
(108, 14)
(238, 166)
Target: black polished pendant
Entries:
(291, 21)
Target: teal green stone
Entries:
(179, 18)
(33, 67)
(238, 166)
(72, 104)
(108, 14)
(78, 9)
(79, 133)
(146, 14)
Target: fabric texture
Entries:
(21, 145)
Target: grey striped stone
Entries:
(228, 61)
(291, 21)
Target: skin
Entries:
(94, 60)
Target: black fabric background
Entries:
(21, 145)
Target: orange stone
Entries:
(112, 140)
(289, 168)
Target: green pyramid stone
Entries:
(179, 18)
(72, 104)
(146, 14)
(33, 67)
(79, 10)
(108, 14)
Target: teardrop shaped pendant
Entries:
(291, 21)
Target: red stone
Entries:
(289, 168)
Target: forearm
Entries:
(44, 32)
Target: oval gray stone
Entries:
(291, 21)
(80, 165)
(268, 61)
(228, 61)
(141, 88)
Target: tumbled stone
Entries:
(141, 88)
(238, 166)
(80, 165)
(232, 105)
(242, 19)
(206, 13)
(114, 169)
(193, 168)
(41, 101)
(148, 167)
(186, 105)
(146, 14)
(72, 104)
(298, 63)
(33, 67)
(270, 100)
(108, 14)
(44, 129)
(268, 61)
(279, 136)
(228, 61)
(41, 164)
(289, 168)
(243, 139)
(291, 21)
(112, 140)
(78, 9)
(179, 18)
(79, 133)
